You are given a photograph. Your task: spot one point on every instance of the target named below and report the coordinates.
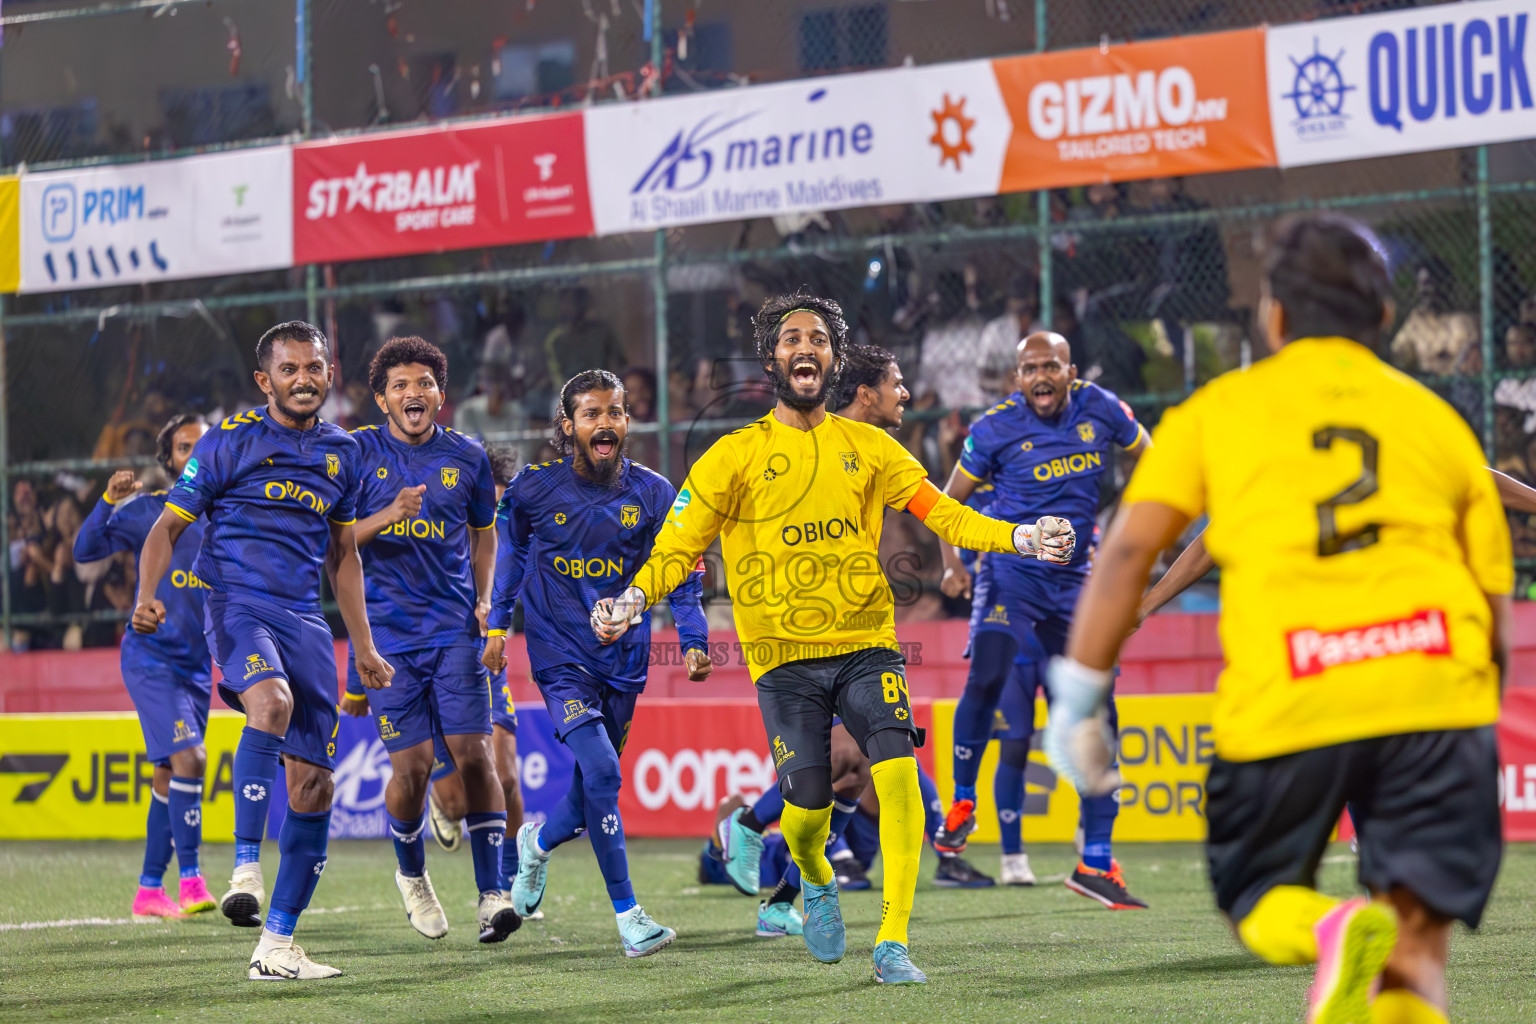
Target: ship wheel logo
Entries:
(952, 131)
(1318, 88)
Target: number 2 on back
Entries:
(1329, 540)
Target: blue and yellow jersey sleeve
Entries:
(978, 457)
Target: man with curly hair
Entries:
(798, 498)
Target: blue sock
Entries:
(186, 807)
(991, 667)
(1099, 814)
(842, 810)
(1008, 793)
(487, 835)
(969, 792)
(255, 773)
(409, 851)
(157, 842)
(933, 808)
(769, 807)
(301, 843)
(569, 818)
(509, 861)
(600, 780)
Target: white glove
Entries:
(612, 616)
(1051, 539)
(1077, 739)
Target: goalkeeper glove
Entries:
(612, 616)
(1051, 539)
(1077, 737)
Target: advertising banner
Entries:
(1190, 105)
(1430, 78)
(230, 213)
(897, 136)
(497, 183)
(10, 234)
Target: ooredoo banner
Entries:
(230, 213)
(897, 136)
(497, 183)
(1190, 105)
(1430, 78)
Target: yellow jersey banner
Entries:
(10, 234)
(1165, 753)
(85, 776)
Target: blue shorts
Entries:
(172, 702)
(503, 711)
(1031, 601)
(253, 640)
(575, 698)
(434, 689)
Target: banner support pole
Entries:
(1485, 286)
(1047, 315)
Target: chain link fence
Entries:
(1154, 282)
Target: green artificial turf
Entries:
(1041, 954)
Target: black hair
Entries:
(290, 330)
(583, 382)
(403, 352)
(167, 436)
(503, 462)
(1328, 275)
(766, 322)
(865, 365)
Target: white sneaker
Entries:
(447, 831)
(242, 904)
(421, 906)
(497, 918)
(1016, 870)
(287, 963)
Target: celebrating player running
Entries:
(278, 488)
(1365, 621)
(797, 498)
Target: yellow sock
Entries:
(805, 833)
(1279, 928)
(1399, 1006)
(901, 842)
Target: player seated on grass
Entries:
(803, 488)
(278, 486)
(166, 674)
(1366, 625)
(426, 516)
(574, 530)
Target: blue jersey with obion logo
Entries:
(270, 494)
(418, 576)
(566, 542)
(1052, 467)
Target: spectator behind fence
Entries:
(1520, 347)
(640, 396)
(949, 363)
(133, 433)
(1190, 282)
(492, 412)
(580, 342)
(999, 353)
(1434, 339)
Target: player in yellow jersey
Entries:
(1365, 620)
(797, 499)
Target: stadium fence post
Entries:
(5, 494)
(301, 26)
(663, 399)
(1485, 286)
(1043, 206)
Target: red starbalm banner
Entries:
(497, 183)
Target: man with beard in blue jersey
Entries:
(426, 515)
(279, 487)
(573, 533)
(1045, 449)
(166, 674)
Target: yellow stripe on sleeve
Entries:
(188, 516)
(967, 472)
(344, 522)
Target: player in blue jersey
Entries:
(573, 533)
(278, 487)
(166, 674)
(1045, 449)
(426, 512)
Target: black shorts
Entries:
(867, 689)
(1425, 806)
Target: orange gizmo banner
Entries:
(1169, 107)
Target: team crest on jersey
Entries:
(1085, 431)
(450, 477)
(850, 462)
(629, 515)
(332, 464)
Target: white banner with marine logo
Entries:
(1435, 77)
(230, 213)
(897, 136)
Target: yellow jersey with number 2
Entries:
(799, 515)
(1357, 530)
